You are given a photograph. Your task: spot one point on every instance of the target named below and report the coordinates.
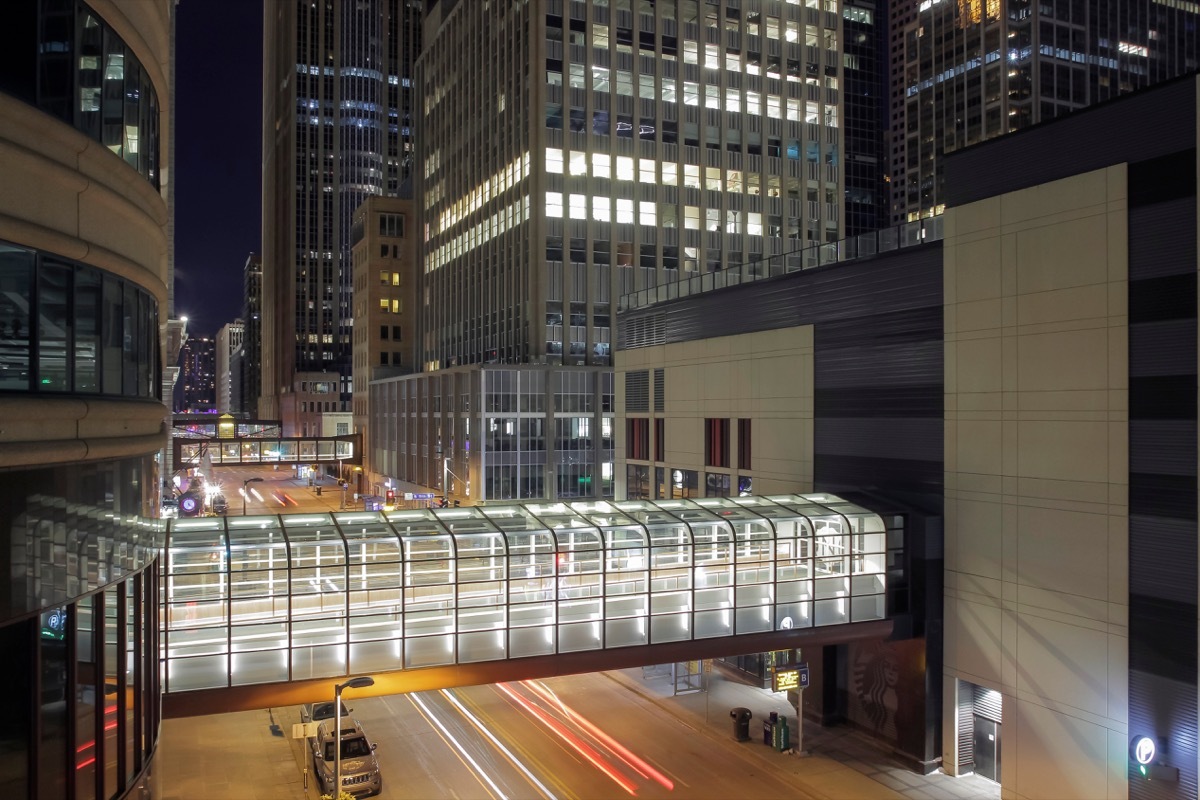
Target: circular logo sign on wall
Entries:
(188, 504)
(1143, 750)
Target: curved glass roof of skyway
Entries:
(272, 598)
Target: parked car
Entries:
(319, 712)
(360, 768)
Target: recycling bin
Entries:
(783, 739)
(769, 729)
(741, 724)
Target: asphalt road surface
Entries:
(579, 737)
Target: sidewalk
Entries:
(843, 764)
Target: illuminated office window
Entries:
(646, 213)
(624, 168)
(624, 211)
(578, 163)
(601, 165)
(578, 208)
(601, 209)
(646, 170)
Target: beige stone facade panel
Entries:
(1037, 472)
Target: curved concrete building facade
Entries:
(84, 134)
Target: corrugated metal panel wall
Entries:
(966, 727)
(987, 703)
(1131, 128)
(1162, 466)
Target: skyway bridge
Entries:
(262, 611)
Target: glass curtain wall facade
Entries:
(496, 433)
(64, 58)
(623, 144)
(263, 599)
(338, 83)
(81, 610)
(972, 70)
(84, 137)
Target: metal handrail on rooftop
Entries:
(849, 249)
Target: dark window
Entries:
(716, 442)
(743, 436)
(660, 440)
(637, 431)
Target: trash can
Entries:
(318, 491)
(741, 724)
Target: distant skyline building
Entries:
(248, 359)
(228, 383)
(969, 70)
(337, 89)
(197, 392)
(384, 238)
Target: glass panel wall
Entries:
(57, 309)
(261, 599)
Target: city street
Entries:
(583, 736)
(599, 735)
(280, 492)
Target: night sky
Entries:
(218, 164)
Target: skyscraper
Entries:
(229, 343)
(600, 148)
(337, 86)
(865, 115)
(969, 70)
(574, 153)
(197, 392)
(248, 360)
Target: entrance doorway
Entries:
(987, 748)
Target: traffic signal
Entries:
(443, 503)
(391, 495)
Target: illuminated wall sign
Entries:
(791, 678)
(787, 679)
(1143, 750)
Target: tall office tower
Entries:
(197, 392)
(337, 80)
(84, 137)
(968, 70)
(250, 362)
(579, 151)
(229, 342)
(864, 103)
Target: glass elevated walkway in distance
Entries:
(253, 600)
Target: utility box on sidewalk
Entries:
(741, 724)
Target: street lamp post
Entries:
(245, 492)
(354, 683)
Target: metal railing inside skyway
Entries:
(276, 598)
